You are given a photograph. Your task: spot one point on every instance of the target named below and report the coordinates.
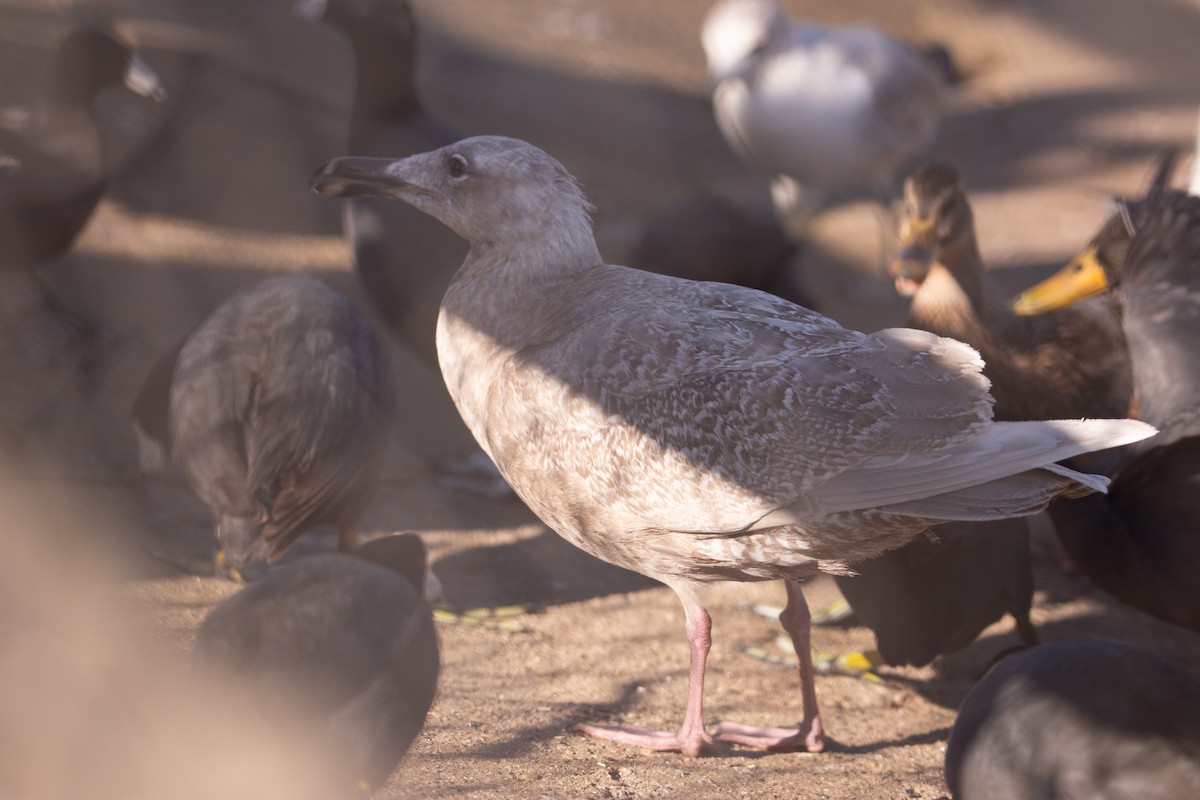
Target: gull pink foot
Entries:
(810, 738)
(690, 743)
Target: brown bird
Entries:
(1070, 364)
(699, 432)
(281, 402)
(63, 171)
(341, 644)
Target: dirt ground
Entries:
(1065, 103)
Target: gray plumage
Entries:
(342, 644)
(1076, 720)
(281, 403)
(697, 432)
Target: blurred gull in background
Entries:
(815, 108)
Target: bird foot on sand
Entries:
(809, 738)
(689, 742)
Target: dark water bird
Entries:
(931, 598)
(1142, 543)
(817, 108)
(934, 596)
(9, 165)
(342, 643)
(710, 238)
(404, 259)
(281, 405)
(699, 432)
(63, 171)
(1073, 363)
(1078, 719)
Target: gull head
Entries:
(735, 32)
(491, 190)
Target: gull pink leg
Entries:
(809, 735)
(691, 739)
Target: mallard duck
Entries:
(280, 404)
(1140, 542)
(63, 171)
(403, 258)
(698, 432)
(817, 108)
(342, 645)
(1078, 719)
(1070, 366)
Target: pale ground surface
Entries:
(1066, 103)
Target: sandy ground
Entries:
(1065, 103)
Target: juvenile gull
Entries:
(281, 402)
(698, 432)
(817, 108)
(1078, 719)
(342, 644)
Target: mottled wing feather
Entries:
(754, 400)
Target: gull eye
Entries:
(456, 165)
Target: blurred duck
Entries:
(63, 171)
(1078, 719)
(280, 405)
(403, 258)
(817, 108)
(1140, 542)
(932, 597)
(342, 645)
(1073, 363)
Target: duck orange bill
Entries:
(1083, 277)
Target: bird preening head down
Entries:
(699, 432)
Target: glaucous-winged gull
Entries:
(698, 432)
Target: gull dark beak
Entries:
(353, 176)
(142, 80)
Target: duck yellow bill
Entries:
(1083, 277)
